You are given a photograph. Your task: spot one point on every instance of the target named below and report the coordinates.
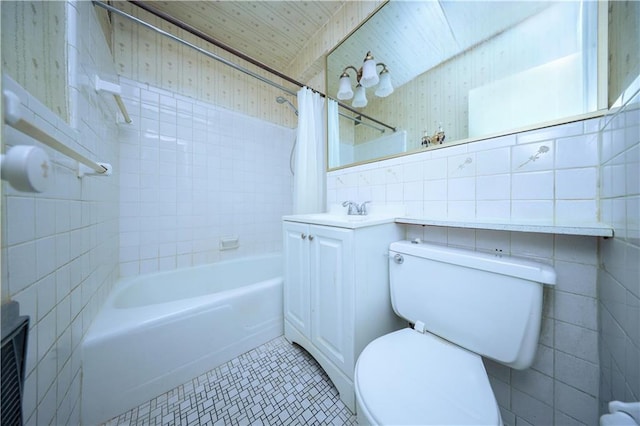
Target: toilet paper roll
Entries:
(26, 168)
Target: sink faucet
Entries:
(363, 208)
(355, 209)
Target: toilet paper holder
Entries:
(26, 168)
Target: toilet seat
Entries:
(407, 377)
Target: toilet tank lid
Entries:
(497, 263)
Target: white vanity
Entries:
(336, 288)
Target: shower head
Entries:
(282, 100)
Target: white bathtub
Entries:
(158, 331)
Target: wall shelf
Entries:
(594, 229)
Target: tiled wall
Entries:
(193, 173)
(59, 247)
(548, 176)
(562, 385)
(512, 179)
(619, 276)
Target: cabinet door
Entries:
(331, 269)
(296, 276)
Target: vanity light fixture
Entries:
(366, 76)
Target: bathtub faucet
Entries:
(355, 209)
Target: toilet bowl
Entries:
(403, 377)
(464, 305)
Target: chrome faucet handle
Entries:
(353, 207)
(363, 208)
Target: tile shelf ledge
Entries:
(592, 229)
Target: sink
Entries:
(336, 217)
(341, 220)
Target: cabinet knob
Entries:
(310, 237)
(303, 236)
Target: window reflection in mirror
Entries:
(468, 69)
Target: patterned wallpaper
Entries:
(148, 57)
(272, 32)
(624, 61)
(33, 50)
(143, 55)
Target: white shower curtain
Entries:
(333, 137)
(308, 182)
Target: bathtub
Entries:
(158, 331)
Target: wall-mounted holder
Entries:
(26, 168)
(229, 243)
(88, 171)
(115, 90)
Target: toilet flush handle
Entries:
(398, 259)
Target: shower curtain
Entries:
(333, 137)
(308, 181)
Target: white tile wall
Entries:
(59, 247)
(193, 173)
(619, 277)
(549, 175)
(566, 365)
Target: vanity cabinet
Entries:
(336, 292)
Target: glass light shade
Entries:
(384, 88)
(345, 91)
(360, 99)
(369, 75)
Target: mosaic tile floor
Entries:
(275, 384)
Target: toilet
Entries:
(462, 305)
(621, 414)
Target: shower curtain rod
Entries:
(359, 121)
(205, 37)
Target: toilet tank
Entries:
(490, 304)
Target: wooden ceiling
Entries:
(271, 32)
(408, 36)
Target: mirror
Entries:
(463, 70)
